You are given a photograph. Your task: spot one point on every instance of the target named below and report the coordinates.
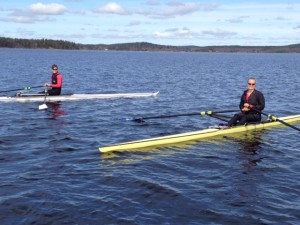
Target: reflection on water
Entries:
(55, 110)
(250, 145)
(248, 173)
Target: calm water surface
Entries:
(52, 172)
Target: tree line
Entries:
(36, 43)
(140, 46)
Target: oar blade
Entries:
(43, 107)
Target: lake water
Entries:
(52, 172)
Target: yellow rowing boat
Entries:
(197, 135)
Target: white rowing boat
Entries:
(73, 97)
(196, 135)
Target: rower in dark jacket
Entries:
(252, 101)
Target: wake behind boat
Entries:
(73, 97)
(172, 140)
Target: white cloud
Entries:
(192, 21)
(239, 19)
(181, 9)
(25, 19)
(152, 2)
(34, 13)
(19, 19)
(281, 18)
(175, 33)
(112, 8)
(50, 9)
(174, 9)
(219, 33)
(134, 23)
(158, 34)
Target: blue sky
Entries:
(171, 22)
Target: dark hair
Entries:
(54, 66)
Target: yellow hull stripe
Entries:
(196, 135)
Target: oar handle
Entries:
(29, 88)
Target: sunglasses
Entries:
(54, 69)
(251, 84)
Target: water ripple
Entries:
(52, 171)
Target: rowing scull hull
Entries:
(74, 97)
(197, 135)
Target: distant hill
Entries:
(140, 46)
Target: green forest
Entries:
(140, 46)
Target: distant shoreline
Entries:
(141, 46)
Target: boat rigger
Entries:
(196, 135)
(73, 97)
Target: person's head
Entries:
(54, 68)
(251, 83)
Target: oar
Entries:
(209, 113)
(274, 118)
(25, 88)
(219, 117)
(44, 106)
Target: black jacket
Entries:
(257, 100)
